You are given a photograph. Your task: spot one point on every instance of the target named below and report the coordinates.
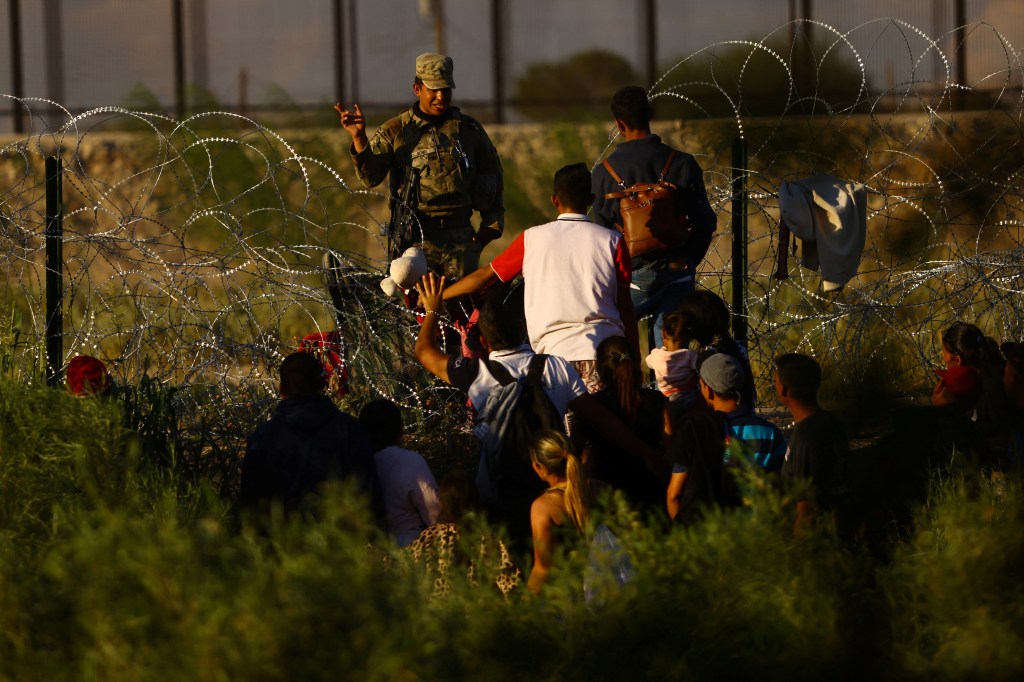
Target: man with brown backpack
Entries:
(631, 189)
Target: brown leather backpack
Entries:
(648, 214)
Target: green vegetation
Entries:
(753, 78)
(119, 559)
(578, 87)
(746, 78)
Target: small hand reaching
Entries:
(431, 290)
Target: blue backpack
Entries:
(515, 409)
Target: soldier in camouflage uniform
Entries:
(453, 165)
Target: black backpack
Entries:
(514, 411)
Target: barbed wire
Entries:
(944, 193)
(205, 267)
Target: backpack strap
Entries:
(622, 183)
(535, 373)
(410, 136)
(499, 372)
(668, 163)
(615, 176)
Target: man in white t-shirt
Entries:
(576, 274)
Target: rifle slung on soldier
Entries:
(402, 222)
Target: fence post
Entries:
(739, 239)
(353, 51)
(960, 21)
(498, 58)
(54, 272)
(178, 39)
(17, 70)
(338, 40)
(649, 30)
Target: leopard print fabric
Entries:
(437, 550)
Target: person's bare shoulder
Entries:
(547, 509)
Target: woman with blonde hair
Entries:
(563, 507)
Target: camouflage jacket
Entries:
(456, 164)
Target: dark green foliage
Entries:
(141, 98)
(42, 431)
(763, 79)
(581, 85)
(957, 596)
(112, 568)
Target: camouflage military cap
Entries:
(435, 70)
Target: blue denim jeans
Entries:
(656, 290)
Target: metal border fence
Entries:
(251, 56)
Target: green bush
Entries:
(581, 85)
(958, 602)
(111, 568)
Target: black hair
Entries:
(302, 374)
(620, 372)
(717, 313)
(982, 352)
(974, 348)
(631, 106)
(708, 320)
(500, 326)
(572, 186)
(692, 320)
(382, 421)
(801, 375)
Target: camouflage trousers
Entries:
(451, 250)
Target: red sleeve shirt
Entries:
(623, 264)
(509, 262)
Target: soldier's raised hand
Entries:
(354, 124)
